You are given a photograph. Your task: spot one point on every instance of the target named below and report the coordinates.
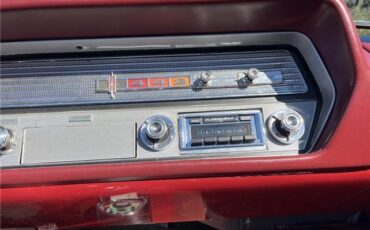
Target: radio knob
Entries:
(157, 133)
(156, 129)
(205, 77)
(291, 123)
(6, 140)
(286, 126)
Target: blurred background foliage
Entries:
(360, 10)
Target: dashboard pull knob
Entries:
(252, 74)
(205, 77)
(247, 77)
(6, 140)
(286, 126)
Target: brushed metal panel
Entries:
(78, 143)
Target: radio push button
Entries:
(210, 140)
(249, 138)
(196, 142)
(237, 139)
(223, 140)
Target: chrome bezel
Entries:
(257, 127)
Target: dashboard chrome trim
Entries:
(257, 129)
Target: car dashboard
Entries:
(150, 112)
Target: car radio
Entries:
(214, 130)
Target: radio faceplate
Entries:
(231, 130)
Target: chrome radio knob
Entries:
(286, 126)
(157, 132)
(291, 122)
(6, 140)
(156, 129)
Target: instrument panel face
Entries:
(151, 78)
(70, 137)
(239, 102)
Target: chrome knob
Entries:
(247, 77)
(286, 126)
(6, 140)
(291, 122)
(156, 133)
(123, 207)
(205, 77)
(252, 74)
(156, 129)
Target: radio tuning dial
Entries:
(156, 129)
(286, 126)
(291, 122)
(6, 140)
(157, 133)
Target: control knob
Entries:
(205, 78)
(156, 129)
(247, 77)
(286, 126)
(6, 140)
(252, 74)
(157, 132)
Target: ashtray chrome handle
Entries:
(122, 207)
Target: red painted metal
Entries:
(335, 33)
(327, 23)
(190, 199)
(366, 46)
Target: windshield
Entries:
(360, 10)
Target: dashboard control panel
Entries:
(259, 98)
(246, 127)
